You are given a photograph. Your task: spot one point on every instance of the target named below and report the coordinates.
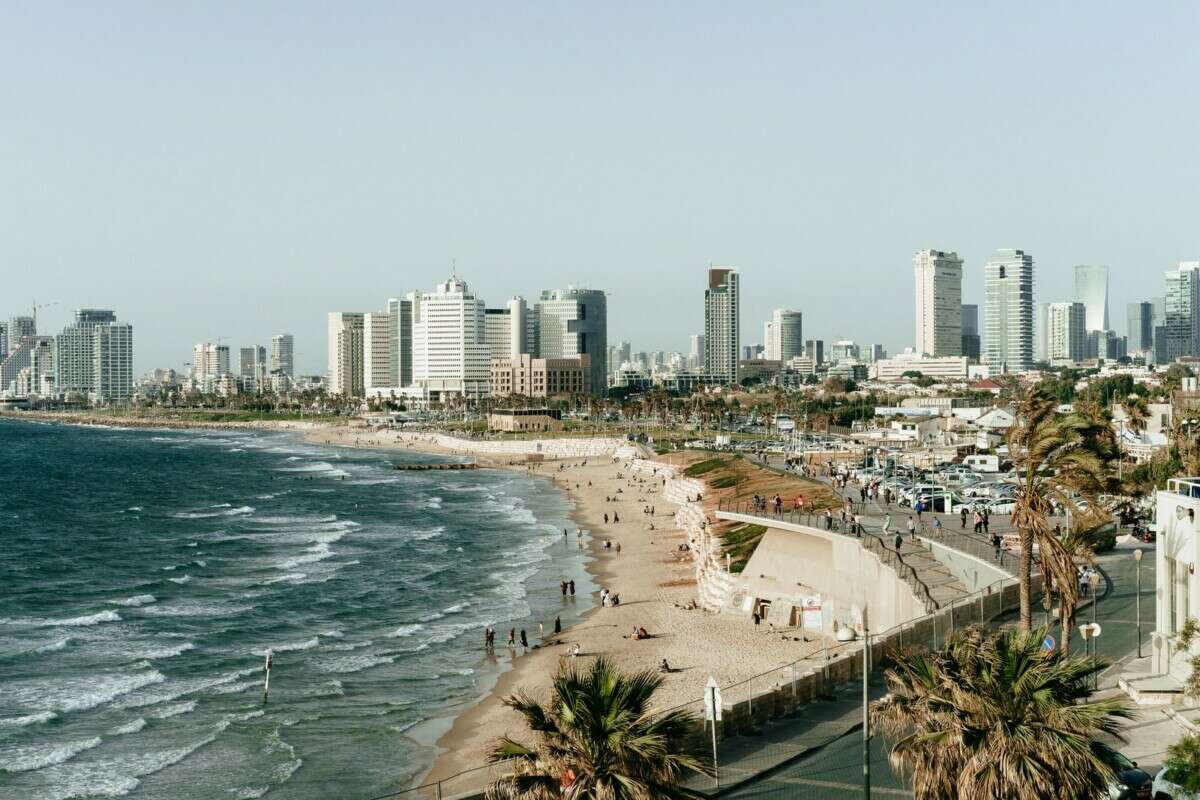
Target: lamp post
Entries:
(1137, 561)
(1094, 580)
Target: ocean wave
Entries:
(181, 581)
(433, 502)
(136, 600)
(130, 727)
(54, 646)
(77, 694)
(290, 577)
(29, 719)
(345, 665)
(112, 777)
(318, 552)
(348, 646)
(234, 688)
(316, 466)
(195, 609)
(405, 630)
(80, 622)
(307, 644)
(173, 709)
(435, 615)
(23, 758)
(225, 511)
(294, 520)
(170, 651)
(430, 533)
(177, 689)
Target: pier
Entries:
(425, 467)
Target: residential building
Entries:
(18, 328)
(574, 322)
(939, 302)
(815, 349)
(618, 355)
(722, 339)
(75, 361)
(1140, 327)
(450, 353)
(695, 359)
(1091, 289)
(345, 354)
(1008, 334)
(783, 337)
(283, 354)
(1066, 335)
(378, 345)
(112, 364)
(209, 362)
(1041, 333)
(3, 340)
(1179, 334)
(529, 376)
(971, 340)
(21, 358)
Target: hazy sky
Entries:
(239, 169)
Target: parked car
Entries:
(1163, 789)
(1132, 783)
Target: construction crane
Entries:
(36, 306)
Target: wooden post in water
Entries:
(267, 676)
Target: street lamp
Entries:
(1137, 560)
(1094, 580)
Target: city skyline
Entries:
(260, 210)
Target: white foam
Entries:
(31, 719)
(76, 694)
(136, 600)
(295, 520)
(307, 644)
(169, 651)
(130, 727)
(405, 630)
(174, 709)
(53, 646)
(318, 552)
(224, 512)
(23, 758)
(81, 622)
(194, 608)
(291, 577)
(431, 533)
(349, 664)
(181, 581)
(433, 502)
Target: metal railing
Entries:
(1188, 487)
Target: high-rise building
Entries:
(209, 361)
(971, 341)
(112, 365)
(574, 322)
(282, 354)
(76, 351)
(1041, 332)
(1066, 335)
(783, 337)
(509, 331)
(695, 359)
(939, 303)
(815, 350)
(252, 365)
(401, 312)
(1091, 289)
(345, 354)
(722, 340)
(450, 352)
(18, 329)
(844, 350)
(3, 340)
(1008, 318)
(1180, 331)
(1139, 319)
(378, 345)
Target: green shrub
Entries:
(1192, 686)
(1104, 541)
(724, 482)
(703, 467)
(1188, 632)
(1183, 763)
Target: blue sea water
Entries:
(144, 574)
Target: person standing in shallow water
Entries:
(557, 625)
(524, 641)
(571, 586)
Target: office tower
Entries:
(843, 350)
(1008, 316)
(939, 303)
(1066, 335)
(209, 361)
(3, 340)
(401, 312)
(345, 354)
(252, 363)
(1139, 318)
(18, 329)
(508, 331)
(1109, 345)
(112, 363)
(875, 352)
(282, 354)
(618, 355)
(450, 354)
(1041, 332)
(1091, 289)
(722, 341)
(378, 344)
(783, 338)
(574, 322)
(76, 351)
(815, 349)
(695, 359)
(971, 344)
(1180, 331)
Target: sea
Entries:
(145, 574)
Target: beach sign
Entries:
(712, 700)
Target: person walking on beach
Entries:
(616, 519)
(557, 625)
(605, 517)
(512, 637)
(962, 512)
(524, 641)
(912, 529)
(619, 548)
(887, 523)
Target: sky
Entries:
(240, 169)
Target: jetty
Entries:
(425, 467)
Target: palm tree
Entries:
(599, 738)
(1057, 458)
(993, 717)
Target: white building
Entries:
(450, 353)
(574, 322)
(345, 354)
(1091, 289)
(377, 348)
(695, 359)
(510, 332)
(17, 329)
(401, 312)
(283, 354)
(1008, 318)
(209, 362)
(946, 368)
(112, 362)
(1177, 597)
(783, 337)
(722, 319)
(939, 303)
(75, 361)
(1066, 332)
